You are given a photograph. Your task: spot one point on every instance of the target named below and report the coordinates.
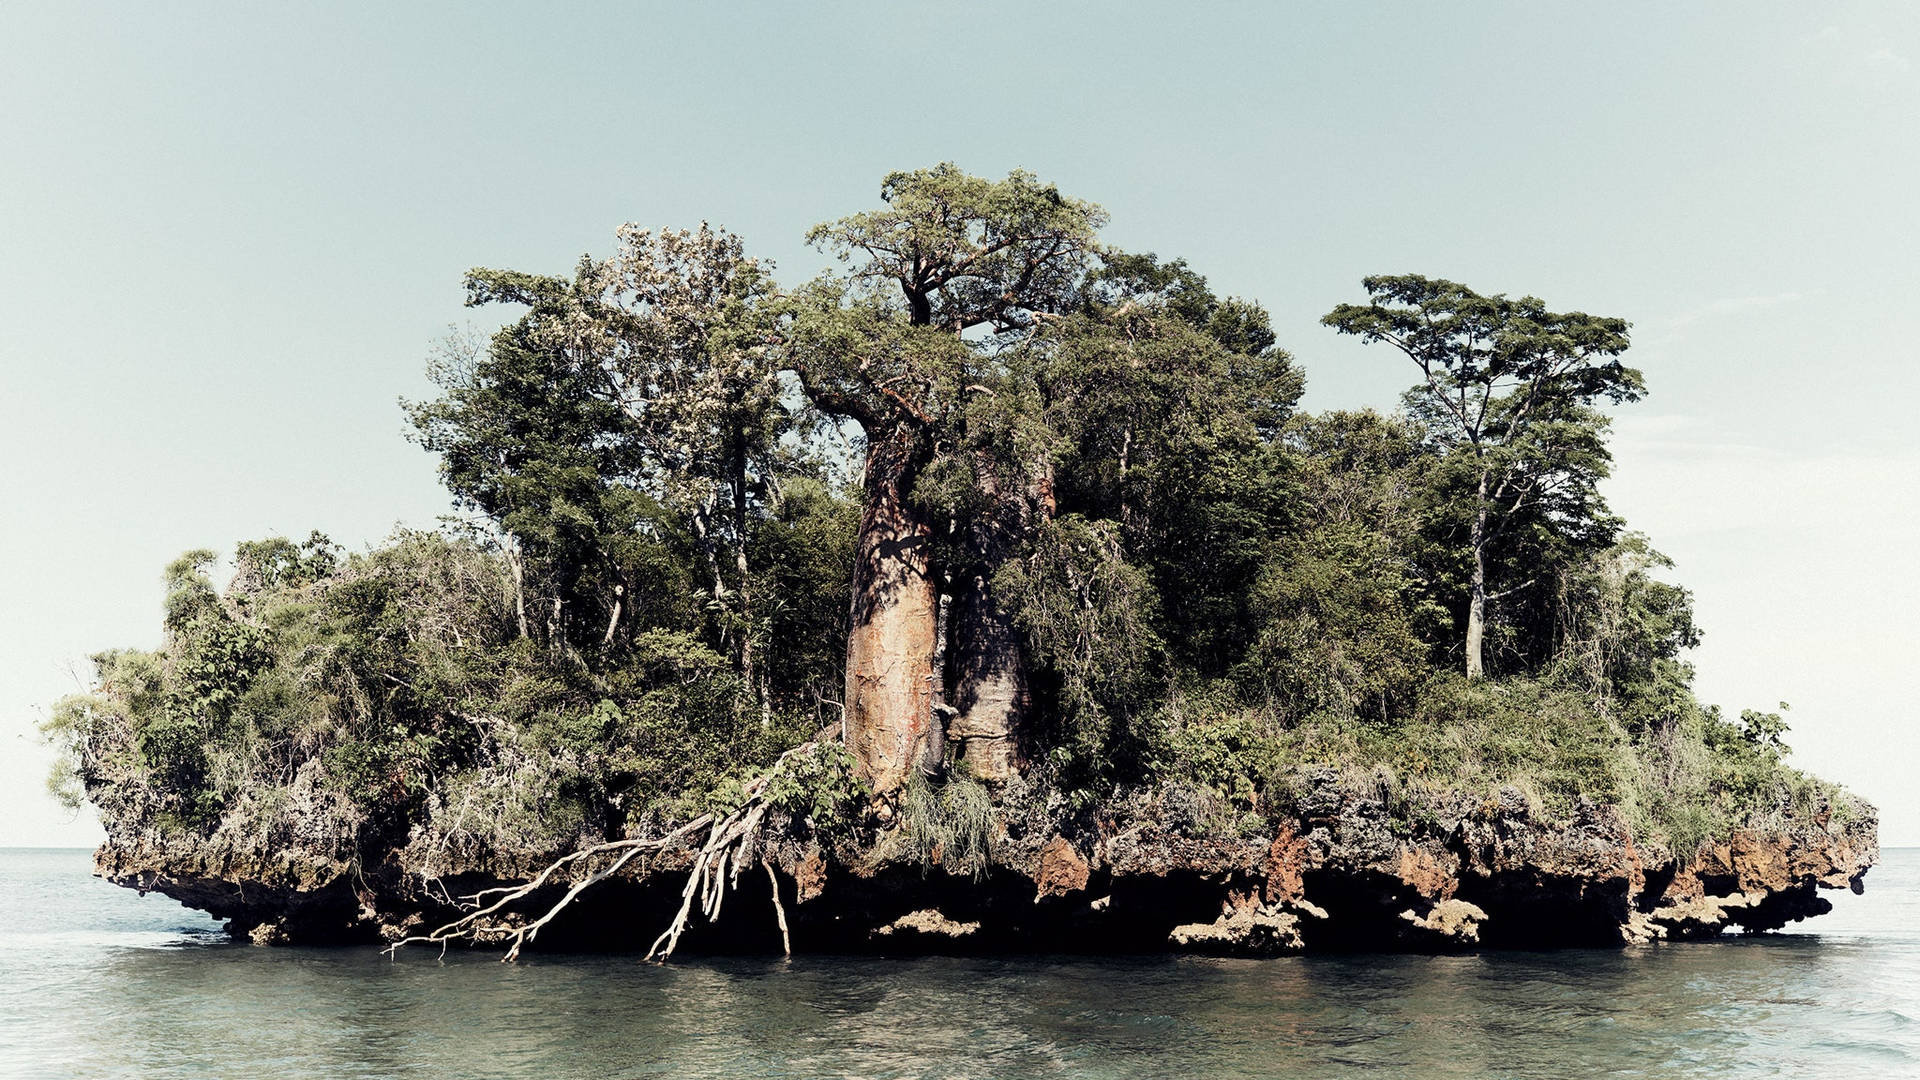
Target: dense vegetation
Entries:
(1134, 564)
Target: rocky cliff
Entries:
(1346, 870)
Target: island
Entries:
(990, 593)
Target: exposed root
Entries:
(779, 909)
(731, 845)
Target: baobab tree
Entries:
(944, 273)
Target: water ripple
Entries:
(97, 982)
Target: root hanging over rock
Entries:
(732, 845)
(1336, 875)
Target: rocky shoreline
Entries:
(1342, 874)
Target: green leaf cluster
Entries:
(647, 601)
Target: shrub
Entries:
(950, 824)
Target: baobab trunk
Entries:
(990, 698)
(891, 643)
(990, 685)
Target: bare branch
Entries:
(731, 840)
(779, 909)
(1491, 597)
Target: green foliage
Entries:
(189, 593)
(965, 251)
(392, 689)
(278, 563)
(1207, 741)
(624, 437)
(1214, 593)
(1620, 633)
(66, 729)
(1507, 398)
(1338, 633)
(1087, 616)
(1148, 420)
(819, 786)
(1764, 730)
(804, 552)
(950, 824)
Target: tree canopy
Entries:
(1507, 396)
(996, 504)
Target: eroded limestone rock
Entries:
(1062, 870)
(1255, 930)
(1340, 870)
(929, 922)
(1455, 921)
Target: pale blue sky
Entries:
(229, 235)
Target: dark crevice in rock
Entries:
(1340, 876)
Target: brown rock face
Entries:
(1490, 872)
(1062, 870)
(1427, 874)
(268, 898)
(810, 876)
(1754, 860)
(1339, 873)
(1286, 867)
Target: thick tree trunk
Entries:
(891, 643)
(1477, 601)
(933, 749)
(991, 696)
(991, 693)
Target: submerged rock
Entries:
(1453, 921)
(928, 923)
(1252, 930)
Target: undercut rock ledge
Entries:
(1342, 873)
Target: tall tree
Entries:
(684, 315)
(635, 393)
(938, 279)
(1153, 408)
(1508, 389)
(520, 428)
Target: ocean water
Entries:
(96, 981)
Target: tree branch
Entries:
(833, 401)
(1491, 597)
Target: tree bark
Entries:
(519, 569)
(933, 749)
(991, 696)
(891, 643)
(756, 679)
(613, 621)
(1477, 600)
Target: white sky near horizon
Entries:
(229, 235)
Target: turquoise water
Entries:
(97, 981)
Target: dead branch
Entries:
(779, 909)
(731, 845)
(467, 927)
